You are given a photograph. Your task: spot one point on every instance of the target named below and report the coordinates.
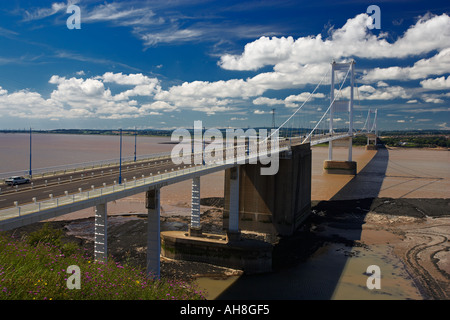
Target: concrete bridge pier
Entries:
(233, 233)
(331, 166)
(371, 142)
(101, 233)
(272, 204)
(195, 228)
(153, 232)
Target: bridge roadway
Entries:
(58, 184)
(68, 185)
(84, 179)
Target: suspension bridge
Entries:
(323, 117)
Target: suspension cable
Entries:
(339, 92)
(298, 109)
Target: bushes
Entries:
(52, 237)
(35, 268)
(417, 141)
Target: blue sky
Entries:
(164, 64)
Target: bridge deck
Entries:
(70, 202)
(33, 203)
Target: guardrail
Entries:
(75, 167)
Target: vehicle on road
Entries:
(12, 181)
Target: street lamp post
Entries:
(30, 172)
(135, 140)
(120, 161)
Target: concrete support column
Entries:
(350, 109)
(195, 227)
(101, 233)
(371, 142)
(233, 227)
(350, 146)
(153, 233)
(330, 143)
(330, 150)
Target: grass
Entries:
(37, 270)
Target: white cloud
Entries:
(259, 111)
(421, 110)
(42, 13)
(170, 35)
(157, 106)
(441, 83)
(290, 101)
(436, 65)
(302, 97)
(306, 59)
(210, 110)
(293, 101)
(205, 89)
(433, 100)
(82, 98)
(353, 39)
(267, 101)
(122, 14)
(128, 79)
(367, 92)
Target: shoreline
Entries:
(343, 231)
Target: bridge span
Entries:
(247, 192)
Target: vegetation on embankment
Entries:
(35, 268)
(406, 141)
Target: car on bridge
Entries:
(12, 181)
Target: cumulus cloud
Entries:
(267, 101)
(157, 106)
(302, 61)
(23, 104)
(82, 98)
(290, 101)
(128, 79)
(441, 83)
(367, 92)
(302, 97)
(353, 39)
(436, 65)
(257, 111)
(433, 100)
